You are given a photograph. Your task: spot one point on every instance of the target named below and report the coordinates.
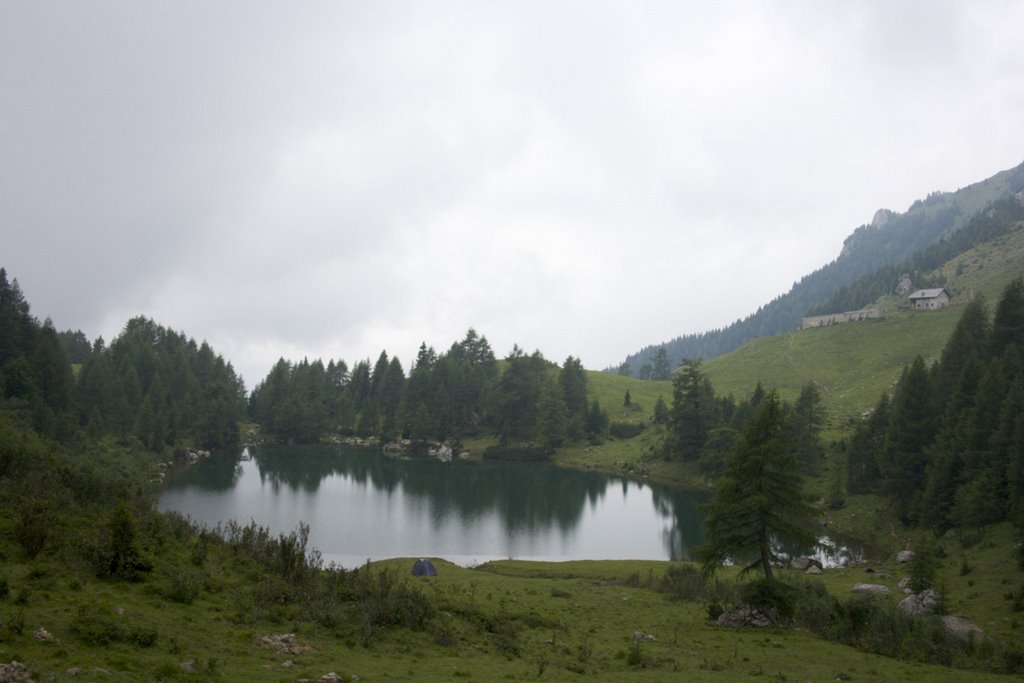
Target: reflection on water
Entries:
(362, 505)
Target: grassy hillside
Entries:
(868, 248)
(853, 364)
(210, 619)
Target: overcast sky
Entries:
(333, 179)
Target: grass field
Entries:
(504, 620)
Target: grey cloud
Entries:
(337, 178)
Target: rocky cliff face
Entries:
(905, 287)
(882, 216)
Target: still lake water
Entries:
(362, 505)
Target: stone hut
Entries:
(930, 299)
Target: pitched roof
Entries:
(928, 293)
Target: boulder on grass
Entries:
(961, 629)
(804, 563)
(747, 616)
(920, 604)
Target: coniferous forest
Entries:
(948, 445)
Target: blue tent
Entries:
(424, 567)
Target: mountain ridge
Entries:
(890, 238)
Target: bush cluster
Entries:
(625, 430)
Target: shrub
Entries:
(714, 610)
(120, 557)
(15, 625)
(923, 565)
(95, 625)
(32, 528)
(182, 587)
(683, 582)
(625, 430)
(814, 607)
(770, 595)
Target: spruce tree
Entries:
(693, 412)
(910, 431)
(759, 501)
(572, 380)
(1008, 324)
(808, 420)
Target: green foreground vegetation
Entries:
(212, 610)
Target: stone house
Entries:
(929, 299)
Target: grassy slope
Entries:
(853, 364)
(503, 621)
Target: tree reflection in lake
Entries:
(361, 504)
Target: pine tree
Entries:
(862, 470)
(572, 380)
(808, 420)
(552, 421)
(661, 368)
(759, 500)
(660, 415)
(1008, 324)
(693, 412)
(597, 422)
(910, 431)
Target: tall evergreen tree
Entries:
(808, 421)
(864, 449)
(572, 380)
(693, 412)
(1008, 324)
(553, 417)
(661, 368)
(759, 501)
(910, 431)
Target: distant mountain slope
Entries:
(890, 239)
(853, 364)
(1000, 218)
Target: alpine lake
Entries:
(361, 506)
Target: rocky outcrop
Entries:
(870, 589)
(921, 604)
(904, 556)
(961, 629)
(369, 442)
(881, 217)
(442, 452)
(285, 643)
(44, 636)
(445, 452)
(804, 563)
(905, 286)
(748, 616)
(15, 672)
